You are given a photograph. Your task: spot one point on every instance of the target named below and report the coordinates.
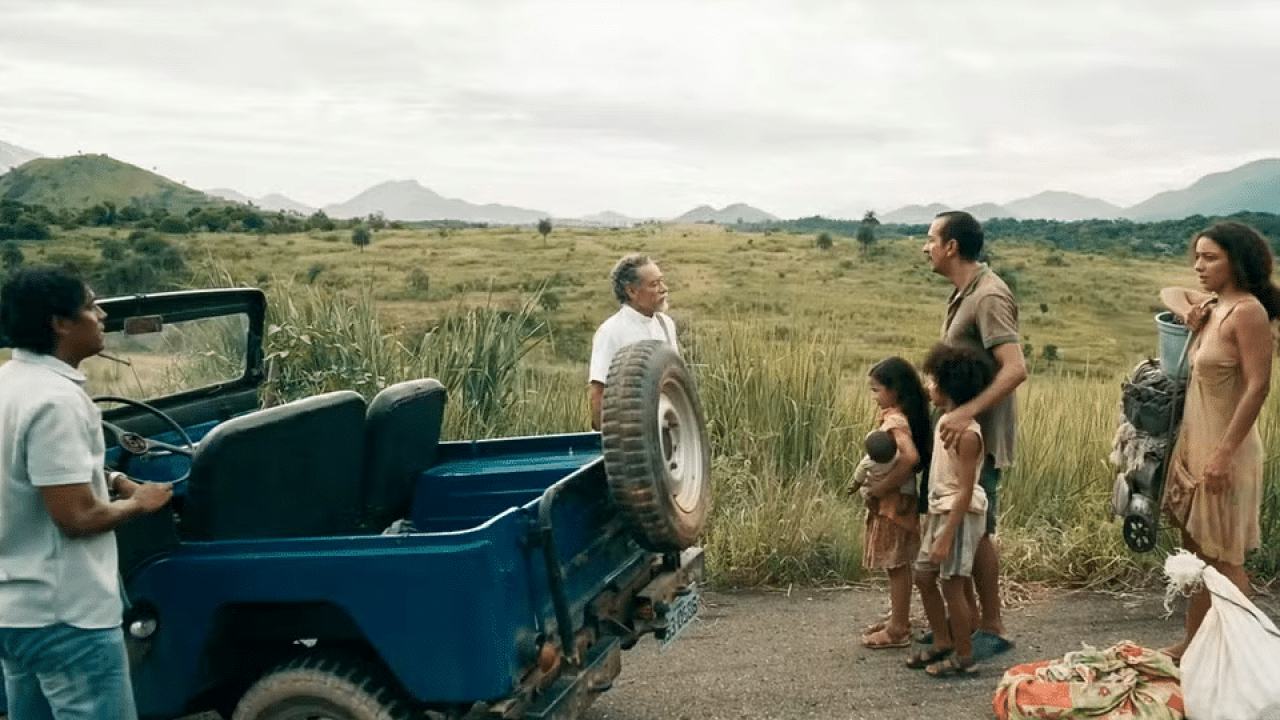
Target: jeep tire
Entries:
(320, 685)
(656, 452)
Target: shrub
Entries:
(174, 225)
(418, 280)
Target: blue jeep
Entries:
(328, 558)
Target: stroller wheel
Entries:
(1139, 533)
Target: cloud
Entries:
(798, 106)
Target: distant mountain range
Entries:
(1253, 186)
(409, 200)
(84, 180)
(274, 202)
(730, 215)
(1048, 205)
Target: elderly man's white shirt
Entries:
(624, 327)
(50, 434)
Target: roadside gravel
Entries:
(758, 655)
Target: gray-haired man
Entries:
(642, 291)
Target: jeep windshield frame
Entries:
(140, 316)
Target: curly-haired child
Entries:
(956, 519)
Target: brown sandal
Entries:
(882, 640)
(924, 658)
(876, 626)
(953, 665)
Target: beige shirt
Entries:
(945, 481)
(982, 316)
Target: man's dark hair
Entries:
(961, 373)
(965, 230)
(626, 274)
(881, 447)
(31, 299)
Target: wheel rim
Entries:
(681, 447)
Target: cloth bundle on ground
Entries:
(1121, 682)
(1231, 669)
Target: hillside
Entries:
(1060, 205)
(986, 211)
(608, 218)
(409, 200)
(271, 203)
(12, 156)
(81, 181)
(914, 214)
(1253, 186)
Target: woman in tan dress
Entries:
(1213, 492)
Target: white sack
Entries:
(1231, 670)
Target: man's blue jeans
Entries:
(62, 672)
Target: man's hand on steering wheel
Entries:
(132, 444)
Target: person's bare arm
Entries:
(79, 513)
(905, 462)
(1250, 331)
(595, 397)
(1189, 305)
(1011, 371)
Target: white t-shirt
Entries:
(624, 327)
(50, 434)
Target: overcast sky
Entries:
(650, 107)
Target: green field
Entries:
(780, 335)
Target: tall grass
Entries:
(785, 419)
(318, 341)
(779, 406)
(786, 439)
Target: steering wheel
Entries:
(134, 445)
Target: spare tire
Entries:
(655, 446)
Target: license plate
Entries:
(680, 614)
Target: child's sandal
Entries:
(953, 665)
(927, 657)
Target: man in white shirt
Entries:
(61, 644)
(642, 290)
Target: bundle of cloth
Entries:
(1122, 682)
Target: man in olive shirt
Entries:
(981, 314)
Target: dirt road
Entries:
(777, 655)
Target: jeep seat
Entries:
(287, 471)
(402, 432)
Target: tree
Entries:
(319, 221)
(544, 228)
(361, 236)
(824, 241)
(867, 231)
(11, 255)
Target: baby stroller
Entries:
(1151, 402)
